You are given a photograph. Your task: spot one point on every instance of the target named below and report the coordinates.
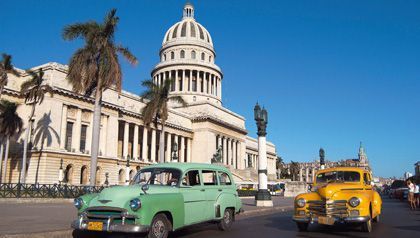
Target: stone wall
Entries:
(294, 188)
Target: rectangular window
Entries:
(224, 179)
(191, 178)
(209, 177)
(69, 135)
(83, 138)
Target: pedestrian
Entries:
(411, 188)
(417, 195)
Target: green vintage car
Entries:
(162, 198)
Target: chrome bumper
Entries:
(358, 219)
(82, 224)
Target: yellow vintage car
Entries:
(339, 195)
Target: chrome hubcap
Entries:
(159, 228)
(227, 217)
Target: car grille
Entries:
(328, 208)
(110, 214)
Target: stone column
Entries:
(307, 174)
(176, 141)
(263, 197)
(63, 127)
(153, 145)
(144, 148)
(190, 82)
(313, 174)
(224, 150)
(205, 82)
(125, 139)
(168, 147)
(136, 142)
(76, 131)
(300, 174)
(235, 155)
(182, 150)
(104, 135)
(188, 149)
(184, 84)
(176, 81)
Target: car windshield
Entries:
(157, 176)
(338, 176)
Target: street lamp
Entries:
(175, 152)
(127, 171)
(60, 172)
(263, 197)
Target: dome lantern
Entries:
(188, 11)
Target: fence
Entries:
(18, 190)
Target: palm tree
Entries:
(294, 170)
(5, 68)
(34, 91)
(95, 68)
(279, 165)
(10, 125)
(156, 108)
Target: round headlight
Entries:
(300, 202)
(78, 203)
(354, 201)
(135, 204)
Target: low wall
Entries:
(294, 188)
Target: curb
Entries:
(51, 234)
(34, 200)
(268, 210)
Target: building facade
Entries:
(62, 126)
(307, 170)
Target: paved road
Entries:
(396, 221)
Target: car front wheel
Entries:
(160, 227)
(227, 220)
(302, 226)
(367, 226)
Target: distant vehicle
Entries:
(162, 198)
(397, 184)
(341, 194)
(275, 188)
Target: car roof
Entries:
(187, 166)
(356, 169)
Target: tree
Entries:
(5, 68)
(294, 170)
(279, 165)
(10, 125)
(34, 91)
(95, 68)
(156, 109)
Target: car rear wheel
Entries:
(227, 220)
(160, 227)
(367, 226)
(302, 226)
(376, 219)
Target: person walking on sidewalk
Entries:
(411, 188)
(416, 195)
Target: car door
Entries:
(212, 191)
(194, 197)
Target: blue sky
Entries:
(331, 73)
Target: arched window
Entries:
(203, 56)
(132, 174)
(182, 54)
(98, 175)
(68, 174)
(164, 57)
(172, 55)
(84, 175)
(210, 58)
(121, 177)
(193, 54)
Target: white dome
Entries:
(188, 30)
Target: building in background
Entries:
(417, 168)
(199, 130)
(306, 170)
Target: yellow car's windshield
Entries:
(338, 176)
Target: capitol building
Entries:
(62, 126)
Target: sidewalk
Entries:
(22, 218)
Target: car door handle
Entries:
(202, 190)
(220, 190)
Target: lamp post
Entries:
(322, 158)
(263, 197)
(60, 172)
(174, 152)
(106, 179)
(127, 171)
